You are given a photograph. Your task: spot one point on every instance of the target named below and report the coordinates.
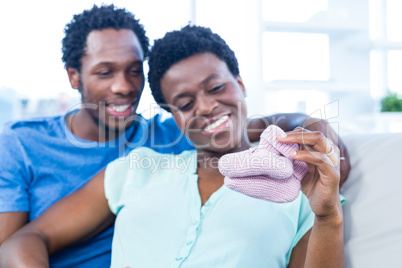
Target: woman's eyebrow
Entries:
(212, 76)
(205, 81)
(181, 95)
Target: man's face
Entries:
(111, 78)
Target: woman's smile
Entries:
(222, 123)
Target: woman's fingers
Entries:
(318, 159)
(321, 185)
(312, 141)
(334, 154)
(315, 139)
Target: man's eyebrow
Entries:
(138, 62)
(135, 62)
(105, 63)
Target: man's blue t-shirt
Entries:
(42, 161)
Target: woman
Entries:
(175, 211)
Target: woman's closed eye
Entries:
(185, 106)
(217, 88)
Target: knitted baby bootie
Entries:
(266, 172)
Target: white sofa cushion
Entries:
(373, 210)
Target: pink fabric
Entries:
(266, 172)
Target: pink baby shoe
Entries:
(266, 172)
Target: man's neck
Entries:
(84, 126)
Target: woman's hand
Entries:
(321, 183)
(321, 186)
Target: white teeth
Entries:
(217, 123)
(119, 108)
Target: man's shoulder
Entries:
(163, 124)
(163, 135)
(33, 123)
(162, 119)
(32, 128)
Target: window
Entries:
(295, 56)
(394, 20)
(292, 10)
(394, 71)
(386, 53)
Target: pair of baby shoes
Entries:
(266, 172)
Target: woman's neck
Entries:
(209, 177)
(207, 159)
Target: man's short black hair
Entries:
(97, 18)
(179, 45)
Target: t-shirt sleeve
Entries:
(304, 224)
(116, 175)
(15, 175)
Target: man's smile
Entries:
(121, 109)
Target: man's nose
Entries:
(122, 84)
(205, 105)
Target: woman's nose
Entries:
(205, 105)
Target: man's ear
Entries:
(241, 84)
(74, 77)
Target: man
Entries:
(46, 159)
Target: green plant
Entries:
(391, 103)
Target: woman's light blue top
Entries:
(161, 223)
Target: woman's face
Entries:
(207, 102)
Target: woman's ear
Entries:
(241, 84)
(74, 77)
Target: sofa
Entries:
(373, 210)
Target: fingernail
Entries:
(294, 153)
(284, 135)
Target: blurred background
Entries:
(332, 59)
